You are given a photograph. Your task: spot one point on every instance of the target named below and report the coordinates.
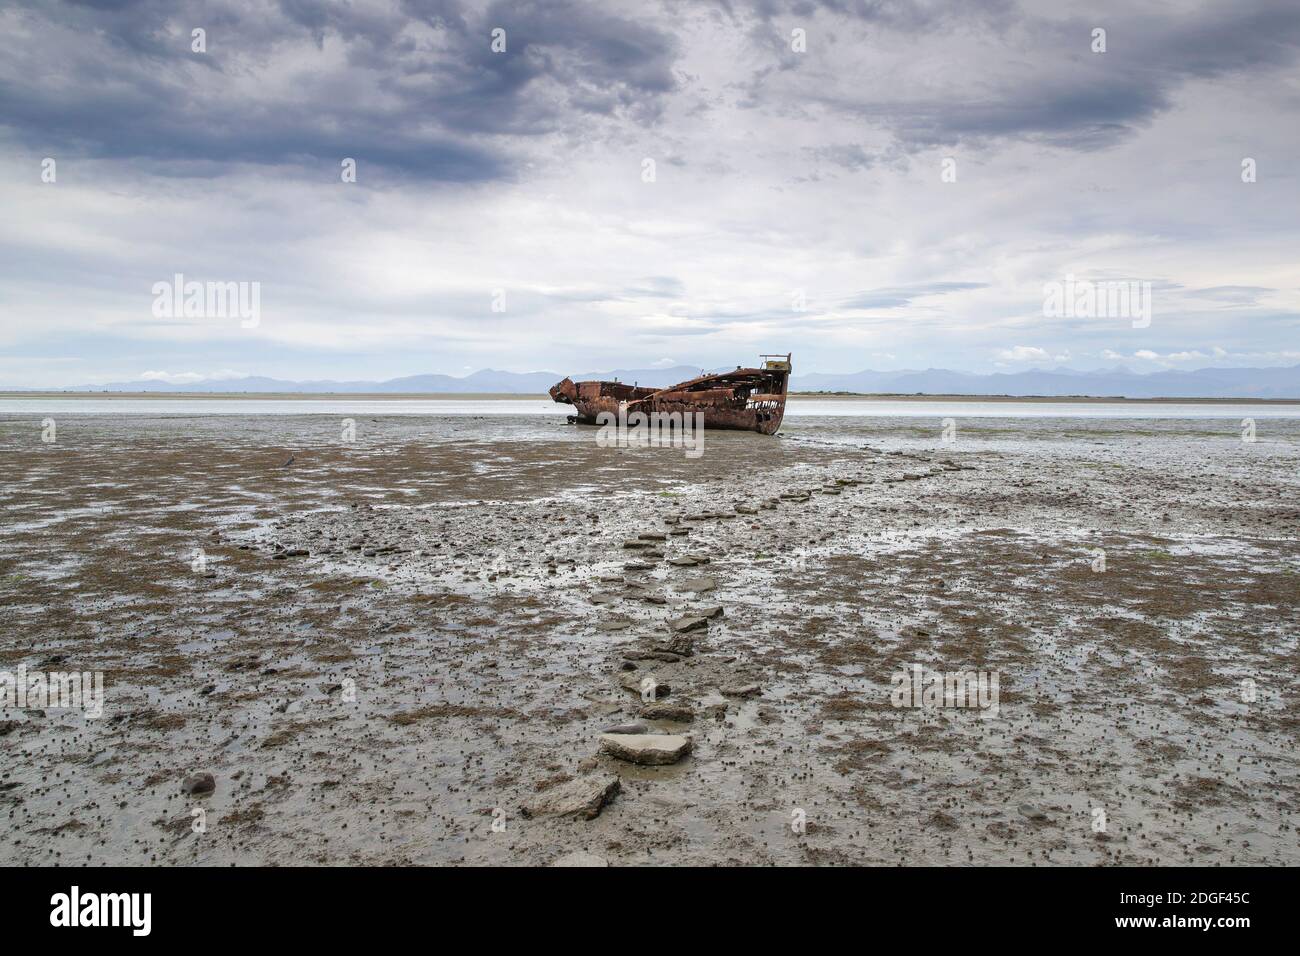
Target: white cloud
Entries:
(1198, 358)
(1024, 353)
(188, 378)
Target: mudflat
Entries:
(405, 647)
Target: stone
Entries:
(679, 645)
(710, 612)
(198, 784)
(646, 749)
(689, 623)
(668, 657)
(626, 729)
(698, 584)
(741, 690)
(681, 713)
(581, 797)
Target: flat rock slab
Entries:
(668, 657)
(690, 623)
(627, 729)
(678, 712)
(646, 749)
(742, 690)
(581, 797)
(679, 645)
(698, 584)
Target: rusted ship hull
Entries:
(748, 399)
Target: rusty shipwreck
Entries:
(748, 399)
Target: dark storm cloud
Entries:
(120, 81)
(1039, 79)
(412, 85)
(904, 15)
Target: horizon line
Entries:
(1058, 369)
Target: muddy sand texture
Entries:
(494, 596)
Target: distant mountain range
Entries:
(1277, 382)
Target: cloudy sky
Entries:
(641, 183)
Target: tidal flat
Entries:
(403, 644)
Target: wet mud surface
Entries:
(384, 649)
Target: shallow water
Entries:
(798, 408)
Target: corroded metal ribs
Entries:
(748, 399)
